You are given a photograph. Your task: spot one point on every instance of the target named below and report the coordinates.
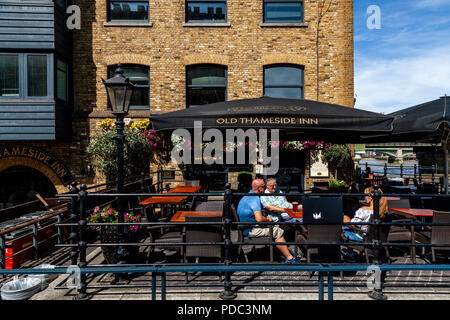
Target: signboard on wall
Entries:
(318, 164)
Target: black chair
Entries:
(210, 206)
(203, 233)
(245, 249)
(440, 234)
(323, 233)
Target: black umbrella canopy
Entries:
(424, 122)
(303, 119)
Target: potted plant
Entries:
(108, 234)
(338, 186)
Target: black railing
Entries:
(81, 206)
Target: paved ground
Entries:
(406, 285)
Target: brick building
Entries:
(184, 53)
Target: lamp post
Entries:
(119, 91)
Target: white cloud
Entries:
(422, 4)
(387, 85)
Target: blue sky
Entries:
(407, 61)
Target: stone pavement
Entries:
(400, 285)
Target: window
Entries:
(37, 75)
(128, 11)
(206, 84)
(61, 3)
(206, 11)
(140, 77)
(283, 10)
(26, 75)
(9, 75)
(283, 81)
(61, 80)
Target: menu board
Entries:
(318, 165)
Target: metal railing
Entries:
(78, 224)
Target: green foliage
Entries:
(337, 183)
(338, 155)
(102, 151)
(245, 177)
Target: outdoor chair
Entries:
(203, 233)
(210, 206)
(405, 233)
(167, 234)
(245, 249)
(368, 251)
(440, 234)
(323, 233)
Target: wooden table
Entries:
(163, 200)
(297, 214)
(180, 216)
(185, 189)
(414, 212)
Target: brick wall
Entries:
(245, 47)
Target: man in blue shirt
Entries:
(249, 210)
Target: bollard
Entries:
(82, 242)
(227, 294)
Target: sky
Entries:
(407, 61)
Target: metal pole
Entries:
(74, 219)
(385, 169)
(446, 170)
(163, 286)
(2, 254)
(378, 292)
(153, 286)
(228, 294)
(321, 286)
(415, 171)
(60, 233)
(35, 241)
(122, 251)
(433, 172)
(330, 286)
(401, 170)
(82, 242)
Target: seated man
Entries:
(275, 204)
(249, 210)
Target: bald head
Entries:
(258, 185)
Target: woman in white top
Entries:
(364, 214)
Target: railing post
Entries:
(142, 182)
(415, 171)
(158, 180)
(385, 170)
(378, 292)
(74, 219)
(35, 241)
(330, 286)
(401, 170)
(420, 175)
(82, 242)
(433, 172)
(228, 294)
(321, 286)
(60, 234)
(2, 254)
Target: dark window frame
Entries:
(110, 72)
(288, 65)
(108, 11)
(302, 3)
(23, 77)
(205, 86)
(187, 2)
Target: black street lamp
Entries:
(120, 90)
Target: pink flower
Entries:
(96, 209)
(109, 211)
